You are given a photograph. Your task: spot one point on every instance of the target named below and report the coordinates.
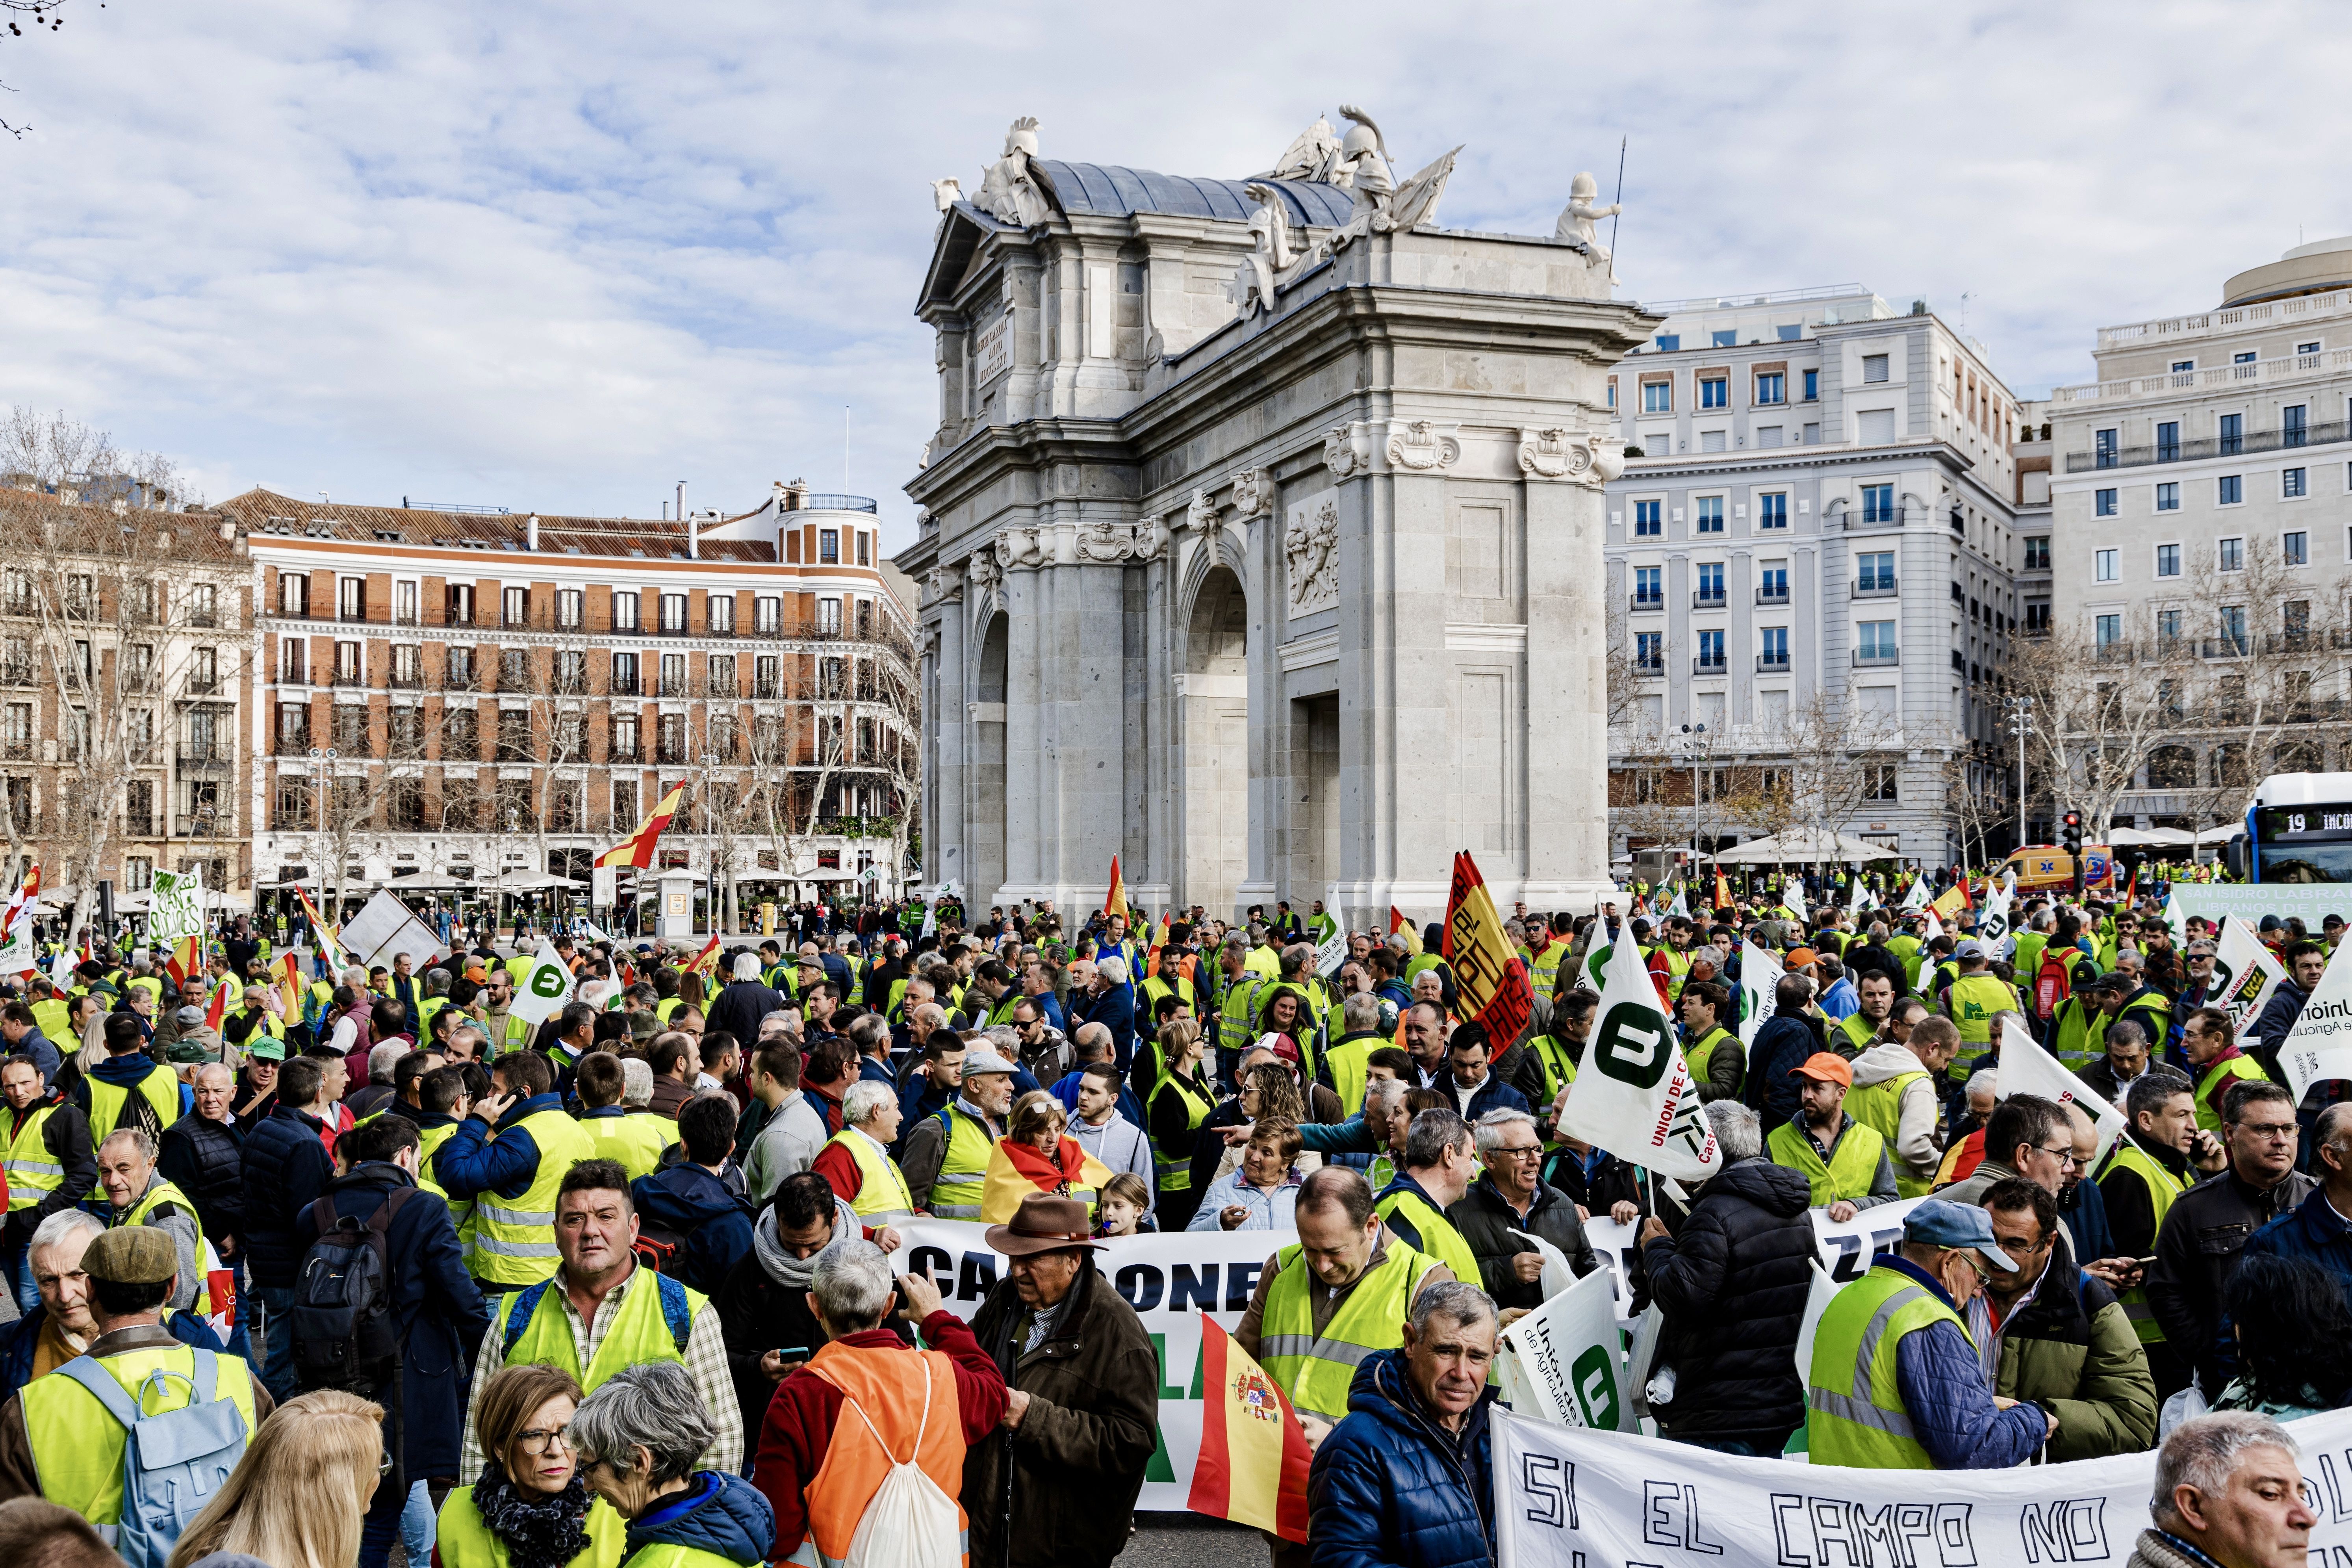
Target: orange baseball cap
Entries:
(1825, 1067)
(1799, 957)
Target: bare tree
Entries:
(2104, 698)
(1840, 759)
(77, 462)
(38, 16)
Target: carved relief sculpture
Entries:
(1310, 551)
(1152, 536)
(1311, 156)
(946, 192)
(1102, 542)
(1204, 519)
(1562, 454)
(1253, 493)
(1347, 449)
(983, 571)
(1417, 446)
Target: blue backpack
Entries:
(172, 1463)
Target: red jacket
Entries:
(798, 1429)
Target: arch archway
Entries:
(1214, 717)
(984, 818)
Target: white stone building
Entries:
(1821, 528)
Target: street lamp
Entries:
(2020, 722)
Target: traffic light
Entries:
(2070, 833)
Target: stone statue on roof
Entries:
(1258, 274)
(1381, 206)
(1579, 225)
(1311, 156)
(1010, 189)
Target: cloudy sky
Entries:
(563, 255)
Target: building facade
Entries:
(1811, 566)
(461, 699)
(2201, 501)
(1262, 538)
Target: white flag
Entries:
(1861, 899)
(1760, 984)
(2319, 1047)
(1935, 929)
(1566, 1353)
(1793, 893)
(931, 917)
(1992, 921)
(2027, 1068)
(1635, 1096)
(1331, 952)
(545, 986)
(1681, 906)
(2244, 974)
(1917, 897)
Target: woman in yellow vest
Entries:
(639, 1438)
(531, 1508)
(1180, 1100)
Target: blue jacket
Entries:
(1115, 1011)
(440, 1310)
(1949, 1400)
(19, 1339)
(285, 1168)
(470, 1162)
(1353, 1136)
(689, 1202)
(1391, 1486)
(126, 1072)
(2312, 1231)
(1491, 1095)
(43, 1051)
(721, 1515)
(1781, 1046)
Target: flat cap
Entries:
(131, 1255)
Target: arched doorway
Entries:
(1216, 739)
(984, 821)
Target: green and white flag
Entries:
(1760, 984)
(1568, 1367)
(2244, 974)
(1635, 1096)
(2318, 1049)
(1916, 900)
(544, 987)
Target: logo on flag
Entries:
(1492, 983)
(1256, 1397)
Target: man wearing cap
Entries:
(1843, 1160)
(1896, 1381)
(1058, 1487)
(58, 1440)
(945, 1157)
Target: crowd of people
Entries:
(617, 1285)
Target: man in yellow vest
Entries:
(63, 1436)
(129, 1088)
(49, 1166)
(508, 1157)
(1845, 1161)
(1895, 1381)
(2209, 1041)
(856, 1160)
(1341, 1292)
(1975, 994)
(2162, 1153)
(639, 1315)
(1719, 1062)
(946, 1155)
(1441, 1161)
(1344, 1063)
(137, 1194)
(1895, 1094)
(1861, 1029)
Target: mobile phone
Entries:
(792, 1353)
(2146, 1262)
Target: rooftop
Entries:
(1103, 190)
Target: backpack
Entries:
(661, 1249)
(344, 1331)
(909, 1523)
(2049, 985)
(173, 1463)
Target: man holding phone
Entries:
(2161, 1155)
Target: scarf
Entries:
(539, 1530)
(1056, 1174)
(800, 1273)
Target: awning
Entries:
(1802, 846)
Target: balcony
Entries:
(1706, 599)
(676, 686)
(350, 679)
(20, 749)
(204, 686)
(1877, 658)
(672, 754)
(726, 690)
(632, 753)
(1779, 595)
(196, 827)
(1709, 664)
(1873, 587)
(2285, 438)
(205, 618)
(1772, 663)
(795, 500)
(2223, 648)
(461, 682)
(413, 680)
(1649, 602)
(292, 743)
(2302, 641)
(567, 685)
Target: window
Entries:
(2167, 441)
(1669, 342)
(623, 747)
(1646, 524)
(403, 602)
(2103, 503)
(1874, 427)
(719, 679)
(1650, 651)
(293, 595)
(673, 675)
(1812, 386)
(766, 677)
(1710, 583)
(624, 611)
(828, 546)
(1775, 654)
(2249, 357)
(460, 667)
(1790, 332)
(768, 614)
(1613, 391)
(1772, 586)
(1772, 386)
(2103, 445)
(2180, 367)
(458, 605)
(1878, 503)
(2104, 566)
(1875, 571)
(720, 609)
(2037, 554)
(1709, 514)
(1714, 392)
(1711, 650)
(1772, 512)
(2232, 433)
(1873, 368)
(1658, 398)
(2233, 626)
(828, 617)
(2292, 485)
(1881, 780)
(1724, 337)
(2228, 489)
(624, 674)
(2232, 555)
(2306, 348)
(570, 609)
(2168, 561)
(514, 604)
(2167, 498)
(1648, 595)
(350, 598)
(2294, 549)
(2107, 630)
(2168, 629)
(1874, 642)
(2292, 428)
(673, 612)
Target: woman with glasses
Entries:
(639, 1438)
(532, 1508)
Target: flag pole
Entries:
(1617, 201)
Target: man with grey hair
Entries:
(851, 1295)
(1732, 1283)
(379, 1091)
(1438, 1164)
(1509, 1196)
(744, 1001)
(1370, 1496)
(1110, 1002)
(638, 1437)
(2228, 1494)
(136, 1193)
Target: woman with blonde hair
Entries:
(532, 1508)
(298, 1498)
(1037, 1155)
(1176, 1100)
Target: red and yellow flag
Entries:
(1114, 901)
(1400, 926)
(707, 961)
(183, 961)
(289, 981)
(1253, 1454)
(218, 1011)
(1955, 899)
(1722, 893)
(1491, 982)
(637, 849)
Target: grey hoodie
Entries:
(1913, 1146)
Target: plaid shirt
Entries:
(706, 1363)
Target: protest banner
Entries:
(1992, 921)
(1847, 1246)
(2313, 902)
(1569, 1497)
(17, 954)
(176, 905)
(545, 986)
(2244, 974)
(2319, 1047)
(1635, 1096)
(1491, 979)
(1169, 1280)
(1570, 1358)
(2027, 1068)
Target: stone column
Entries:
(1028, 774)
(1566, 678)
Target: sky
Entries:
(559, 257)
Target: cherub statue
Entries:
(1009, 190)
(1309, 157)
(946, 192)
(1578, 225)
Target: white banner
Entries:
(2315, 901)
(2319, 1047)
(17, 948)
(1571, 1359)
(1568, 1498)
(175, 907)
(1846, 1248)
(1169, 1280)
(2244, 974)
(1759, 982)
(1992, 921)
(2027, 1068)
(545, 988)
(1635, 1097)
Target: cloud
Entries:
(559, 257)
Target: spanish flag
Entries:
(184, 961)
(1955, 899)
(637, 849)
(290, 981)
(218, 1011)
(1722, 891)
(1400, 926)
(707, 961)
(1114, 901)
(1016, 1170)
(1254, 1455)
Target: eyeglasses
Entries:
(383, 1463)
(2063, 1156)
(539, 1440)
(2278, 1132)
(1533, 1150)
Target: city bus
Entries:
(2298, 829)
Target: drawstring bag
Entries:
(910, 1523)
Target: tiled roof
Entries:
(26, 514)
(611, 537)
(1107, 191)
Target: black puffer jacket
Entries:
(285, 1168)
(1733, 1282)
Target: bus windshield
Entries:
(2302, 844)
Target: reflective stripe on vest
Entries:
(1439, 1240)
(1316, 1371)
(1854, 1403)
(33, 1174)
(514, 1239)
(1851, 1165)
(2163, 1186)
(640, 1333)
(963, 1173)
(2212, 1085)
(429, 1140)
(78, 1447)
(882, 1193)
(1350, 1070)
(463, 1541)
(1238, 1012)
(1174, 1170)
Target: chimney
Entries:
(531, 534)
(694, 538)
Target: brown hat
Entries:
(644, 1026)
(131, 1255)
(1044, 1223)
